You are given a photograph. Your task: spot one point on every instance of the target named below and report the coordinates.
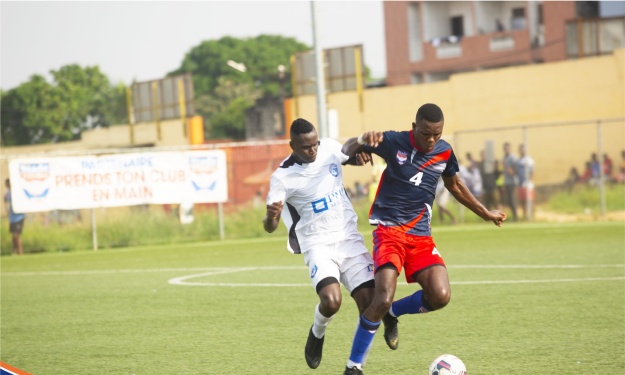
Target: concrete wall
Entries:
(569, 91)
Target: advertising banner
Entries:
(67, 183)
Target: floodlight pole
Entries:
(322, 112)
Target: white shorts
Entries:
(329, 261)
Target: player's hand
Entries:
(274, 210)
(363, 158)
(371, 138)
(497, 217)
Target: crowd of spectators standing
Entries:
(592, 171)
(508, 184)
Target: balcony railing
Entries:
(501, 43)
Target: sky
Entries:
(144, 40)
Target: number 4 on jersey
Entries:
(416, 179)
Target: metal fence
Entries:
(558, 150)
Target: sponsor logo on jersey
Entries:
(313, 272)
(435, 252)
(401, 157)
(331, 200)
(334, 170)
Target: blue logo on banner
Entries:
(36, 178)
(202, 170)
(209, 187)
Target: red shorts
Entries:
(407, 251)
(522, 193)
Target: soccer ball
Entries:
(447, 364)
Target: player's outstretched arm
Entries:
(459, 190)
(272, 217)
(355, 145)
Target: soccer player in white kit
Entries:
(307, 192)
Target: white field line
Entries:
(148, 270)
(270, 268)
(181, 281)
(213, 271)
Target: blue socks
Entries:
(362, 341)
(413, 304)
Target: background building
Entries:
(427, 41)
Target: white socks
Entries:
(321, 322)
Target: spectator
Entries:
(472, 177)
(587, 176)
(595, 167)
(489, 173)
(608, 168)
(573, 179)
(360, 190)
(499, 25)
(510, 180)
(16, 221)
(441, 200)
(621, 175)
(524, 172)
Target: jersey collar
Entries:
(414, 144)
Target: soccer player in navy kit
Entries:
(402, 212)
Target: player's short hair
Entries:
(301, 126)
(430, 113)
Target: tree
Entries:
(77, 99)
(261, 55)
(223, 93)
(224, 110)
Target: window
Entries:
(457, 26)
(518, 19)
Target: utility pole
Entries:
(322, 112)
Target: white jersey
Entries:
(316, 210)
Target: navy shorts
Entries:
(16, 227)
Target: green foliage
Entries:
(77, 99)
(261, 55)
(224, 110)
(222, 93)
(524, 298)
(134, 226)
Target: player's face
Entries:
(305, 147)
(426, 134)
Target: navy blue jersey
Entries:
(408, 185)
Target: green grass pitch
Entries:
(526, 299)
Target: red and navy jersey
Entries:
(408, 185)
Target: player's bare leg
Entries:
(435, 284)
(329, 303)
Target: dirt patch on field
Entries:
(556, 217)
